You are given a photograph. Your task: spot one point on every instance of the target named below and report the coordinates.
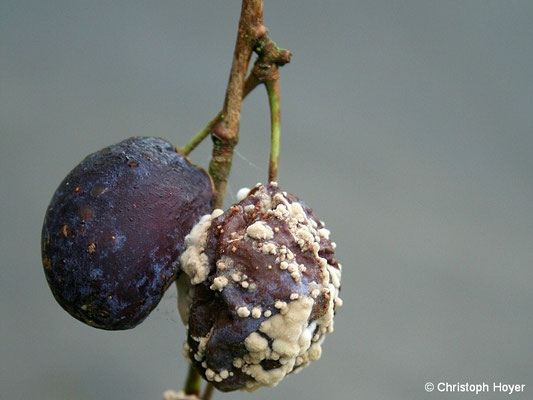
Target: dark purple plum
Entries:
(115, 227)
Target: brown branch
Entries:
(225, 133)
(251, 83)
(208, 392)
(193, 382)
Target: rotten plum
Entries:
(260, 289)
(115, 227)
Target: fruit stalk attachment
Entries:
(266, 69)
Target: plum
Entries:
(115, 227)
(260, 289)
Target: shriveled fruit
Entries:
(114, 230)
(260, 290)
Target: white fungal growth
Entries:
(219, 283)
(202, 345)
(243, 312)
(285, 336)
(285, 330)
(256, 312)
(255, 343)
(185, 351)
(193, 261)
(224, 374)
(269, 248)
(260, 230)
(324, 233)
(210, 374)
(242, 193)
(173, 395)
(297, 212)
(291, 341)
(249, 208)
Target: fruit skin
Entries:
(114, 230)
(239, 283)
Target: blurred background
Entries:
(407, 126)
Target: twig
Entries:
(193, 383)
(266, 68)
(208, 392)
(272, 88)
(225, 133)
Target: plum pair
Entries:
(258, 284)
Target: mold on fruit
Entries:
(260, 289)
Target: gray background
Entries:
(407, 126)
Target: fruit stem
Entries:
(208, 392)
(251, 83)
(266, 68)
(272, 88)
(193, 383)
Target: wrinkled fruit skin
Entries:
(259, 292)
(114, 230)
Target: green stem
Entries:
(208, 392)
(200, 136)
(193, 383)
(272, 87)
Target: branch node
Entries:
(221, 132)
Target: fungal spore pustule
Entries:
(260, 289)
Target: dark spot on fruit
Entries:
(132, 164)
(270, 364)
(47, 264)
(97, 190)
(65, 230)
(86, 214)
(77, 189)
